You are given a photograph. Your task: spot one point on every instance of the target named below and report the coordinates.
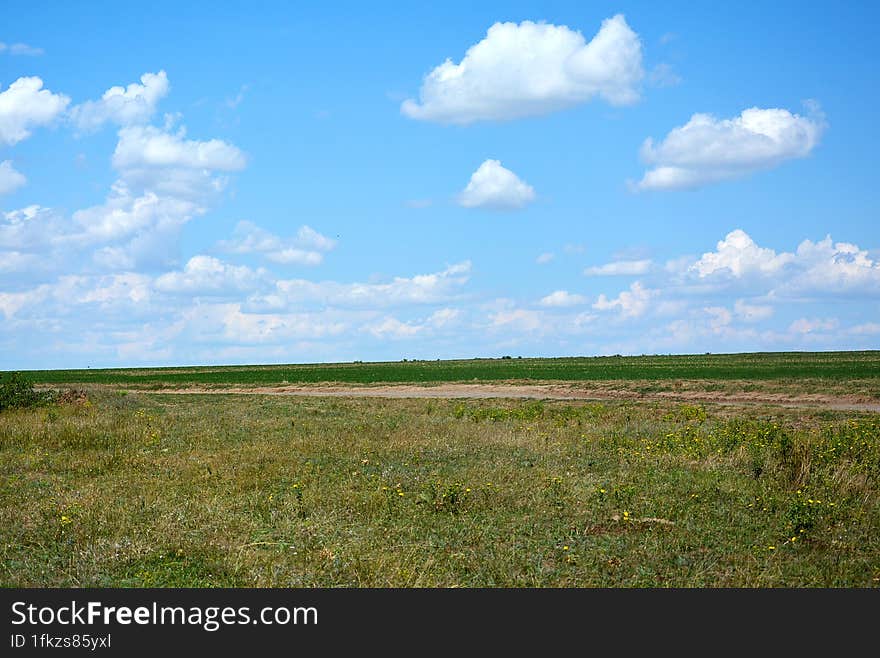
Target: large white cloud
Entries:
(630, 303)
(737, 255)
(124, 214)
(25, 105)
(148, 146)
(530, 69)
(493, 187)
(813, 269)
(10, 179)
(832, 268)
(707, 149)
(307, 248)
(123, 106)
(205, 275)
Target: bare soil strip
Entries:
(548, 392)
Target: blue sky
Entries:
(183, 183)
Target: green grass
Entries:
(144, 490)
(821, 367)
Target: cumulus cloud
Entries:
(563, 298)
(493, 187)
(530, 69)
(148, 146)
(620, 268)
(306, 248)
(737, 255)
(631, 303)
(10, 179)
(707, 149)
(828, 267)
(815, 268)
(205, 275)
(123, 214)
(123, 106)
(25, 105)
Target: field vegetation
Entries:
(103, 487)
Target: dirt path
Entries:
(549, 392)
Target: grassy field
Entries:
(144, 489)
(807, 368)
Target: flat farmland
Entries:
(808, 368)
(692, 471)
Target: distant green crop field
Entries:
(765, 366)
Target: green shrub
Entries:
(18, 392)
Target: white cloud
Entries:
(620, 268)
(444, 317)
(631, 303)
(519, 319)
(227, 323)
(707, 149)
(128, 286)
(10, 179)
(815, 268)
(148, 146)
(25, 105)
(530, 69)
(124, 214)
(123, 105)
(545, 258)
(24, 228)
(307, 248)
(833, 268)
(494, 187)
(21, 49)
(737, 255)
(563, 298)
(12, 302)
(16, 261)
(751, 312)
(207, 275)
(390, 327)
(807, 325)
(420, 289)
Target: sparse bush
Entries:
(17, 392)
